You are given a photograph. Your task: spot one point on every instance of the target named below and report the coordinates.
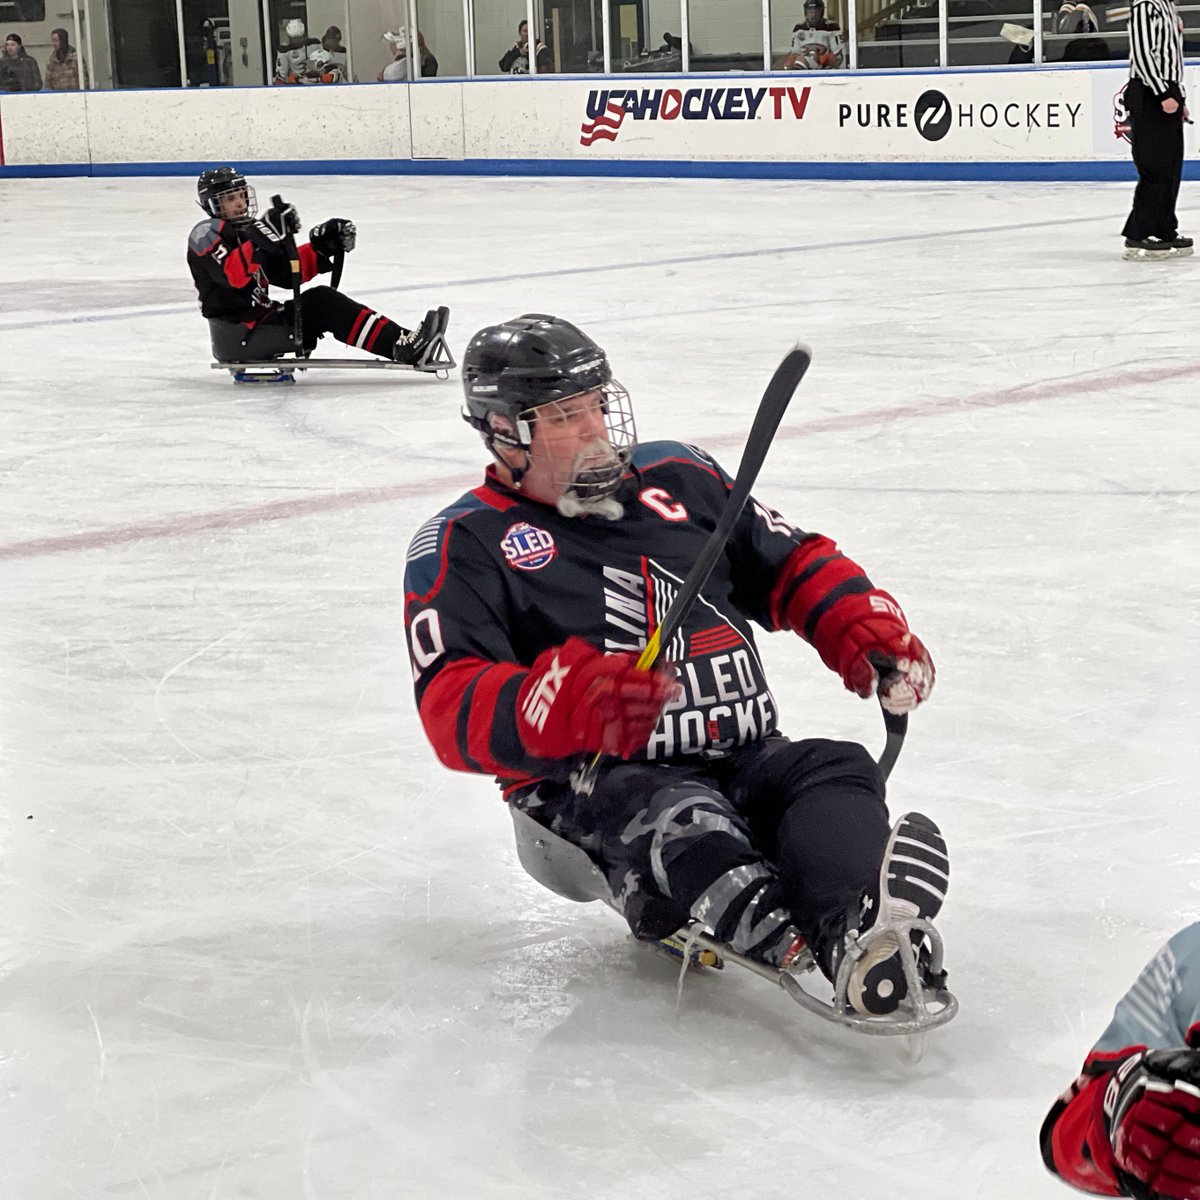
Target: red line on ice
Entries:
(449, 485)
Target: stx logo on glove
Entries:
(540, 700)
(885, 604)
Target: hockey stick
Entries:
(289, 244)
(771, 408)
(896, 725)
(339, 261)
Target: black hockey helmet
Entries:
(219, 182)
(512, 368)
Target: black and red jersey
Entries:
(234, 264)
(497, 578)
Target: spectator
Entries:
(320, 68)
(332, 42)
(290, 59)
(516, 60)
(62, 67)
(817, 43)
(397, 70)
(18, 71)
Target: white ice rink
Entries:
(258, 943)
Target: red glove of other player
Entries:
(1152, 1117)
(579, 701)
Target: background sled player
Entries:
(1130, 1124)
(527, 601)
(234, 258)
(816, 44)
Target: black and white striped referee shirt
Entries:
(1156, 47)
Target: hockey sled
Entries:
(437, 360)
(568, 871)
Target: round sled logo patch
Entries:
(527, 548)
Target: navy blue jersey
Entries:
(497, 578)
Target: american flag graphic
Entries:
(605, 127)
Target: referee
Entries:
(1154, 100)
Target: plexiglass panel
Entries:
(574, 34)
(809, 36)
(502, 41)
(442, 43)
(725, 35)
(647, 36)
(988, 32)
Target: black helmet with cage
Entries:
(219, 182)
(511, 370)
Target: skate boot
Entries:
(420, 347)
(1149, 249)
(859, 949)
(1181, 247)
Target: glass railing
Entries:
(316, 43)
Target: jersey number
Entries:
(425, 637)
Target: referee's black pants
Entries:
(1158, 155)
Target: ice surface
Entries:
(258, 943)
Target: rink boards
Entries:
(1053, 123)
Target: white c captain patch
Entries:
(527, 548)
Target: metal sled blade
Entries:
(258, 377)
(318, 364)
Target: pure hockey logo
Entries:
(931, 113)
(608, 108)
(934, 115)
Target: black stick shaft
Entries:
(289, 244)
(771, 408)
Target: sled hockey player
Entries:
(1130, 1124)
(236, 256)
(817, 45)
(527, 602)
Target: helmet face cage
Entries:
(214, 186)
(613, 400)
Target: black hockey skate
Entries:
(882, 949)
(425, 348)
(1154, 249)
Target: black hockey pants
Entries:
(322, 310)
(777, 831)
(1158, 155)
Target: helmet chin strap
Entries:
(517, 473)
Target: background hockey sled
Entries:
(568, 871)
(438, 361)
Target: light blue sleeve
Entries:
(1164, 1001)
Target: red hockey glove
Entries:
(858, 630)
(866, 639)
(1152, 1117)
(579, 701)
